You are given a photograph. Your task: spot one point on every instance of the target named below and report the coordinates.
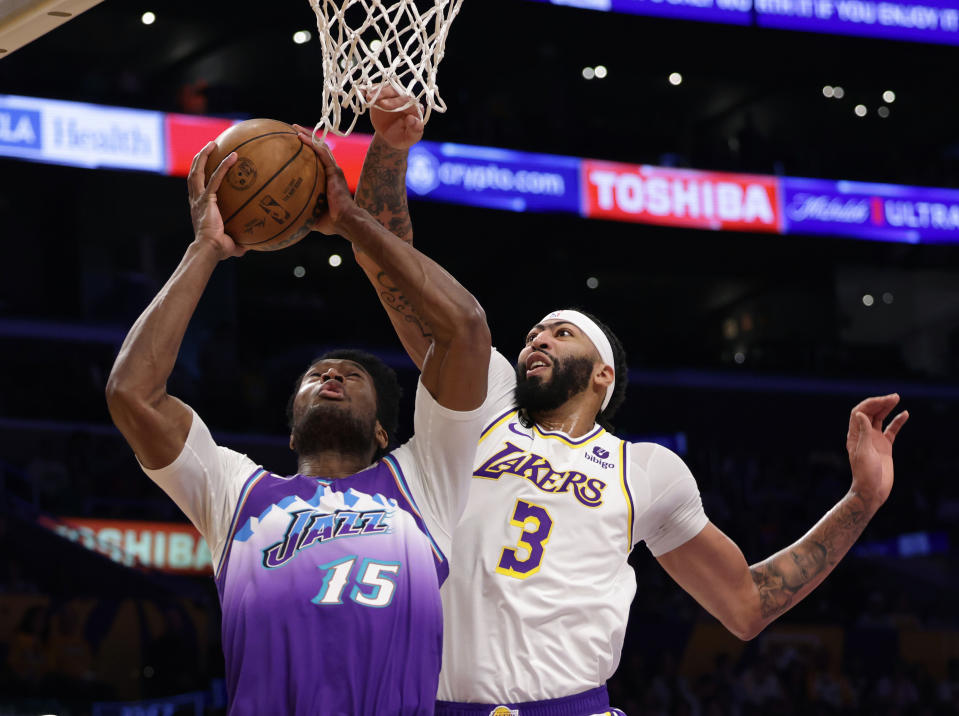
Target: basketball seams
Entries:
(288, 200)
(268, 181)
(307, 205)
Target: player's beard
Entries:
(332, 427)
(569, 376)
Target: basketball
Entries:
(269, 198)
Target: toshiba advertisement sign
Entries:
(164, 546)
(681, 197)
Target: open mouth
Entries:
(536, 364)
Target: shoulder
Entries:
(669, 510)
(655, 470)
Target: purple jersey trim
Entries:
(244, 493)
(442, 565)
(562, 436)
(498, 419)
(581, 704)
(624, 476)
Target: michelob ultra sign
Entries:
(164, 546)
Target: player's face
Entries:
(549, 342)
(334, 408)
(556, 364)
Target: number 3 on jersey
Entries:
(536, 525)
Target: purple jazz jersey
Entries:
(330, 597)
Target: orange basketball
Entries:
(274, 191)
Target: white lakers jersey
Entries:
(539, 590)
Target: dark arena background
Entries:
(748, 344)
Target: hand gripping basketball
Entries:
(270, 197)
(339, 200)
(204, 212)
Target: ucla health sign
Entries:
(494, 178)
(81, 134)
(19, 130)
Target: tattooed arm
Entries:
(456, 365)
(748, 598)
(382, 192)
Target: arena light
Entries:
(592, 282)
(827, 91)
(888, 96)
(301, 36)
(675, 79)
(148, 18)
(883, 111)
(860, 110)
(299, 271)
(868, 300)
(601, 71)
(335, 260)
(588, 73)
(838, 92)
(888, 298)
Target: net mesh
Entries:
(370, 44)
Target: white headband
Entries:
(595, 334)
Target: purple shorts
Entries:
(587, 703)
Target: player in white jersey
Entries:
(536, 605)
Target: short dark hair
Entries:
(385, 383)
(603, 417)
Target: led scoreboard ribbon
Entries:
(96, 136)
(932, 21)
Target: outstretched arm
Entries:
(455, 364)
(154, 423)
(748, 598)
(382, 192)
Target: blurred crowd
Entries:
(784, 681)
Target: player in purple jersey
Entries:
(328, 579)
(539, 592)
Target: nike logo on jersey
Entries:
(513, 460)
(309, 527)
(512, 429)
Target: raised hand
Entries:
(207, 222)
(400, 128)
(870, 447)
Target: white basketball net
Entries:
(368, 44)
